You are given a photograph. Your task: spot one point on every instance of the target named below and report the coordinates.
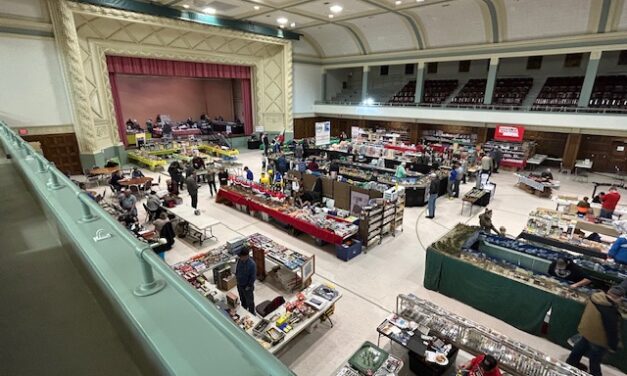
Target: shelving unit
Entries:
(383, 218)
(384, 136)
(442, 137)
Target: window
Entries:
(622, 58)
(432, 67)
(534, 62)
(573, 60)
(409, 68)
(384, 70)
(464, 66)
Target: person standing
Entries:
(192, 189)
(600, 328)
(609, 202)
(618, 250)
(266, 144)
(223, 178)
(452, 181)
(486, 164)
(211, 180)
(434, 189)
(153, 204)
(176, 173)
(248, 174)
(245, 274)
(458, 180)
(400, 171)
(298, 151)
(496, 159)
(137, 173)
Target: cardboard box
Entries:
(232, 300)
(228, 283)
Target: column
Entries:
(571, 150)
(420, 82)
(588, 82)
(364, 83)
(489, 88)
(323, 87)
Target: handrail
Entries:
(479, 106)
(149, 261)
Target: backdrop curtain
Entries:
(172, 68)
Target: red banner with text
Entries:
(509, 133)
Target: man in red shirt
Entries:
(485, 365)
(609, 202)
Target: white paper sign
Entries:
(259, 129)
(323, 133)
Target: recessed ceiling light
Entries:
(186, 6)
(209, 10)
(419, 1)
(330, 16)
(398, 2)
(256, 7)
(282, 26)
(336, 8)
(293, 24)
(281, 20)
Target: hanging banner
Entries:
(509, 133)
(323, 133)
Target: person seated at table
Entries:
(568, 270)
(485, 365)
(223, 177)
(264, 179)
(137, 173)
(166, 131)
(313, 166)
(547, 174)
(115, 180)
(190, 123)
(583, 207)
(127, 201)
(618, 250)
(130, 125)
(149, 126)
(153, 204)
(248, 174)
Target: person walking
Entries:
(266, 144)
(211, 180)
(452, 181)
(245, 274)
(434, 189)
(600, 328)
(458, 180)
(192, 189)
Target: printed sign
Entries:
(323, 133)
(509, 133)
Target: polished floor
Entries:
(50, 321)
(372, 281)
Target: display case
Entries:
(514, 357)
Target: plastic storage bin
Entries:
(348, 251)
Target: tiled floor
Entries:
(372, 280)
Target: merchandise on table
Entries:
(151, 161)
(513, 356)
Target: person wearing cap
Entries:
(483, 364)
(434, 189)
(600, 328)
(618, 250)
(245, 274)
(568, 270)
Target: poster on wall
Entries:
(358, 201)
(513, 133)
(323, 133)
(354, 132)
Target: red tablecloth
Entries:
(299, 224)
(513, 163)
(401, 148)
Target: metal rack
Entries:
(514, 357)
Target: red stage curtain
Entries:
(156, 67)
(248, 106)
(118, 109)
(172, 68)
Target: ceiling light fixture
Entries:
(293, 24)
(256, 7)
(209, 10)
(420, 1)
(398, 2)
(281, 20)
(336, 9)
(330, 16)
(186, 6)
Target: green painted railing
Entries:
(181, 331)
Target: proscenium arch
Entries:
(313, 43)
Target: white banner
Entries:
(323, 133)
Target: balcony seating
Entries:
(511, 91)
(560, 92)
(609, 92)
(436, 91)
(472, 93)
(405, 95)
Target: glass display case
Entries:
(514, 357)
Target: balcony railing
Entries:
(182, 332)
(456, 106)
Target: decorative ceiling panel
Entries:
(622, 20)
(532, 19)
(321, 8)
(453, 23)
(386, 32)
(302, 47)
(334, 40)
(271, 19)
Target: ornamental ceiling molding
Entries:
(123, 15)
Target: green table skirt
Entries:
(520, 305)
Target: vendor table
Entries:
(536, 160)
(104, 170)
(136, 181)
(518, 304)
(200, 227)
(562, 245)
(218, 150)
(304, 226)
(390, 367)
(583, 165)
(178, 132)
(152, 164)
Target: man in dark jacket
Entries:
(192, 189)
(281, 164)
(434, 189)
(599, 328)
(245, 274)
(176, 173)
(266, 144)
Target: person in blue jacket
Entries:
(245, 274)
(618, 251)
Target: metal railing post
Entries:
(41, 165)
(88, 216)
(53, 181)
(150, 285)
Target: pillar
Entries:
(489, 88)
(588, 82)
(364, 83)
(571, 150)
(420, 82)
(323, 87)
